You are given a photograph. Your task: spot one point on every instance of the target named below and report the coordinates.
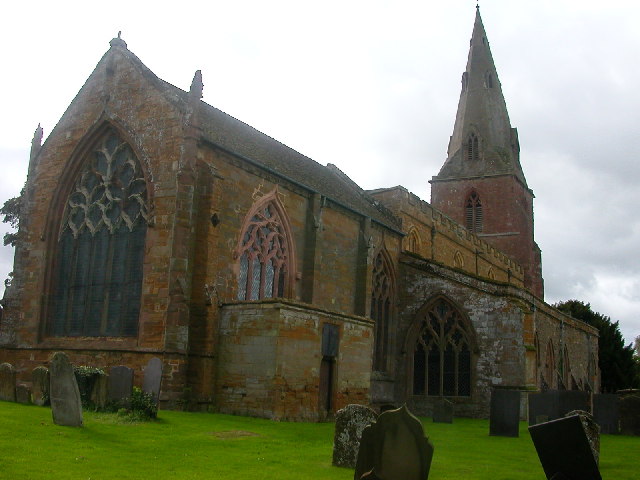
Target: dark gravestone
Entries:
(120, 383)
(350, 422)
(7, 383)
(591, 429)
(99, 391)
(23, 394)
(443, 411)
(554, 404)
(564, 450)
(66, 406)
(504, 419)
(40, 386)
(630, 415)
(153, 378)
(394, 448)
(606, 412)
(570, 400)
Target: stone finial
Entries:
(118, 42)
(37, 137)
(196, 85)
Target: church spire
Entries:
(483, 142)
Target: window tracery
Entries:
(473, 213)
(381, 310)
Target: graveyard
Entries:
(181, 445)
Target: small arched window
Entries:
(382, 293)
(491, 274)
(264, 252)
(473, 152)
(413, 241)
(458, 260)
(550, 365)
(473, 213)
(442, 352)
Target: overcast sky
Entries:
(373, 86)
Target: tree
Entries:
(618, 367)
(11, 211)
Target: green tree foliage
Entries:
(11, 215)
(618, 367)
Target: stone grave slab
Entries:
(66, 406)
(394, 448)
(570, 400)
(7, 382)
(504, 418)
(120, 383)
(99, 391)
(554, 404)
(153, 378)
(40, 386)
(350, 422)
(630, 415)
(564, 450)
(606, 412)
(23, 394)
(443, 411)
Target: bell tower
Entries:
(481, 184)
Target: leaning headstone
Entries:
(504, 418)
(153, 378)
(443, 411)
(350, 422)
(66, 406)
(564, 450)
(40, 385)
(630, 415)
(592, 430)
(120, 383)
(23, 394)
(7, 383)
(394, 448)
(606, 412)
(99, 391)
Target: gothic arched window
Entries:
(413, 241)
(442, 352)
(473, 213)
(473, 152)
(100, 251)
(550, 365)
(381, 309)
(264, 252)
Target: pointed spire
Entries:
(196, 85)
(483, 142)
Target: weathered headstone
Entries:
(504, 419)
(564, 450)
(606, 412)
(153, 378)
(23, 393)
(630, 415)
(99, 391)
(7, 382)
(443, 411)
(40, 385)
(350, 422)
(591, 429)
(120, 383)
(394, 448)
(66, 406)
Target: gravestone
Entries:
(606, 412)
(630, 415)
(153, 378)
(554, 404)
(350, 422)
(504, 419)
(564, 450)
(394, 448)
(99, 391)
(443, 411)
(40, 385)
(120, 383)
(7, 383)
(592, 430)
(23, 394)
(66, 406)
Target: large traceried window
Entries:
(473, 213)
(442, 352)
(98, 263)
(381, 309)
(264, 253)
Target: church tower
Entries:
(481, 184)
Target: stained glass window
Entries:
(98, 265)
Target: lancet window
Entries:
(381, 309)
(413, 241)
(442, 352)
(550, 365)
(264, 253)
(473, 152)
(473, 213)
(100, 250)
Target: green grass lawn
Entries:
(210, 446)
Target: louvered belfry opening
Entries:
(473, 213)
(264, 255)
(442, 353)
(381, 298)
(473, 148)
(100, 251)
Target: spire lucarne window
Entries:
(98, 266)
(473, 213)
(472, 148)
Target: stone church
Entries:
(156, 225)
